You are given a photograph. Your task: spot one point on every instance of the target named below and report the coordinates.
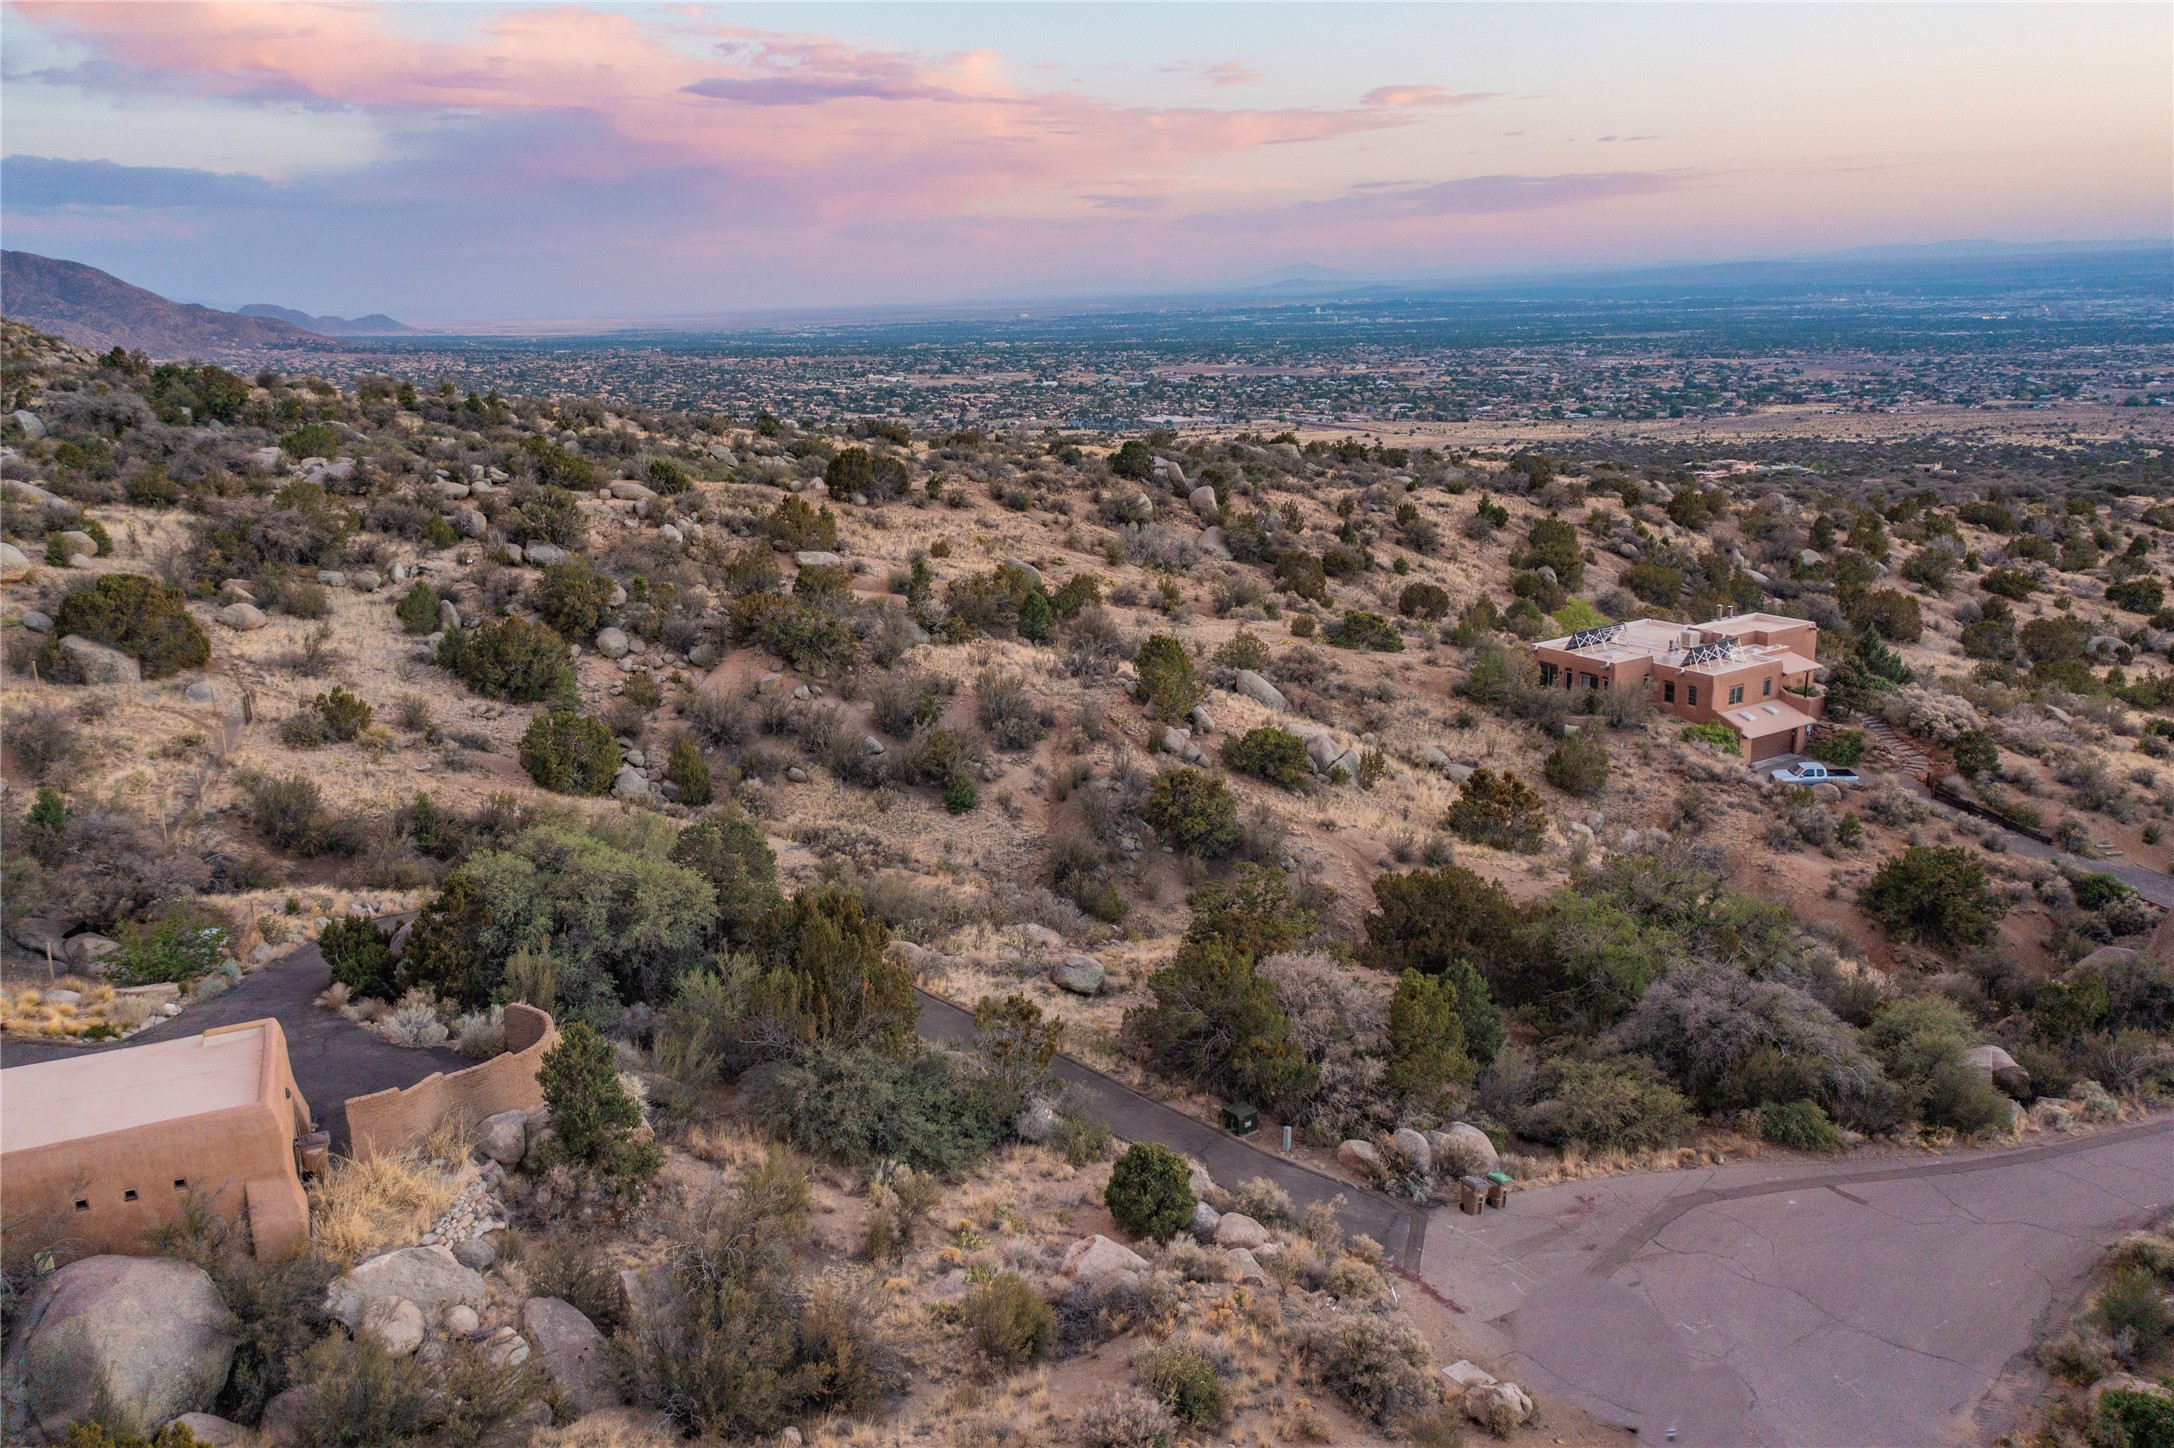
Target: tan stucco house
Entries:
(1750, 671)
(99, 1149)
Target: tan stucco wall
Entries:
(394, 1120)
(240, 1158)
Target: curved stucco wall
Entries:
(397, 1119)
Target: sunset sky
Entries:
(446, 162)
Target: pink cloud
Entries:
(1402, 97)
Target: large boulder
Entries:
(149, 1333)
(1415, 1147)
(1463, 1150)
(214, 1431)
(543, 554)
(14, 563)
(1091, 1259)
(396, 1323)
(1261, 692)
(1203, 502)
(1036, 1121)
(243, 617)
(573, 1350)
(504, 1137)
(1497, 1407)
(429, 1277)
(95, 663)
(613, 643)
(816, 558)
(1081, 974)
(1205, 1220)
(1359, 1157)
(2000, 1068)
(1322, 752)
(1236, 1229)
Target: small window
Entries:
(1668, 692)
(82, 1204)
(129, 1195)
(181, 1184)
(1694, 696)
(1736, 694)
(1766, 687)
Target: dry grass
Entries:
(363, 1207)
(612, 1428)
(32, 1012)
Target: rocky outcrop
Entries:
(1091, 1259)
(503, 1137)
(1359, 1157)
(1236, 1229)
(150, 1333)
(1463, 1150)
(243, 617)
(95, 663)
(1081, 974)
(1261, 692)
(573, 1351)
(429, 1277)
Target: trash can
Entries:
(1498, 1189)
(313, 1152)
(1471, 1191)
(1240, 1119)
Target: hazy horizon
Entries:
(508, 163)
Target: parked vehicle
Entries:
(1811, 771)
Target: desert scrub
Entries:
(1713, 736)
(510, 659)
(687, 772)
(1150, 1191)
(1798, 1125)
(418, 610)
(1579, 764)
(186, 944)
(574, 598)
(1127, 1419)
(1010, 1322)
(1359, 629)
(1499, 810)
(359, 955)
(137, 615)
(569, 753)
(1194, 811)
(1167, 683)
(1276, 755)
(1186, 1382)
(593, 1120)
(1937, 894)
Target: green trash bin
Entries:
(1240, 1119)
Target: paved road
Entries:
(1229, 1159)
(1888, 1303)
(333, 1058)
(2144, 880)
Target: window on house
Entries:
(1694, 696)
(1668, 692)
(1547, 676)
(82, 1204)
(1736, 694)
(129, 1195)
(181, 1184)
(1591, 682)
(1766, 687)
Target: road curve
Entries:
(1800, 1303)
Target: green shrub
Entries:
(1150, 1192)
(289, 811)
(1215, 1020)
(686, 771)
(140, 616)
(960, 796)
(1133, 460)
(1011, 1323)
(1243, 650)
(1920, 1040)
(1423, 601)
(305, 730)
(2128, 1418)
(668, 477)
(509, 659)
(1426, 1036)
(1185, 1382)
(2143, 594)
(184, 945)
(823, 976)
(1303, 625)
(1578, 764)
(345, 715)
(850, 471)
(1976, 755)
(418, 609)
(1194, 811)
(1843, 747)
(803, 636)
(1167, 684)
(311, 440)
(860, 1107)
(1714, 736)
(1934, 893)
(594, 1121)
(731, 853)
(1613, 1103)
(800, 527)
(574, 598)
(1553, 543)
(1037, 617)
(569, 753)
(1377, 1365)
(1358, 629)
(360, 956)
(2132, 1302)
(1276, 755)
(1501, 811)
(1799, 1126)
(1081, 1140)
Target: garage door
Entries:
(1773, 746)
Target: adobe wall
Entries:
(397, 1119)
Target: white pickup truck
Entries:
(1813, 772)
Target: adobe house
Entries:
(1750, 671)
(103, 1147)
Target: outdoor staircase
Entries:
(1886, 748)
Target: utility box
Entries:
(1240, 1119)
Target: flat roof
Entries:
(1757, 721)
(1756, 621)
(107, 1091)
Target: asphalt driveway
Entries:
(333, 1058)
(1890, 1303)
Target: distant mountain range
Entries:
(98, 310)
(377, 324)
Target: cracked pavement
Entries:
(1890, 1301)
